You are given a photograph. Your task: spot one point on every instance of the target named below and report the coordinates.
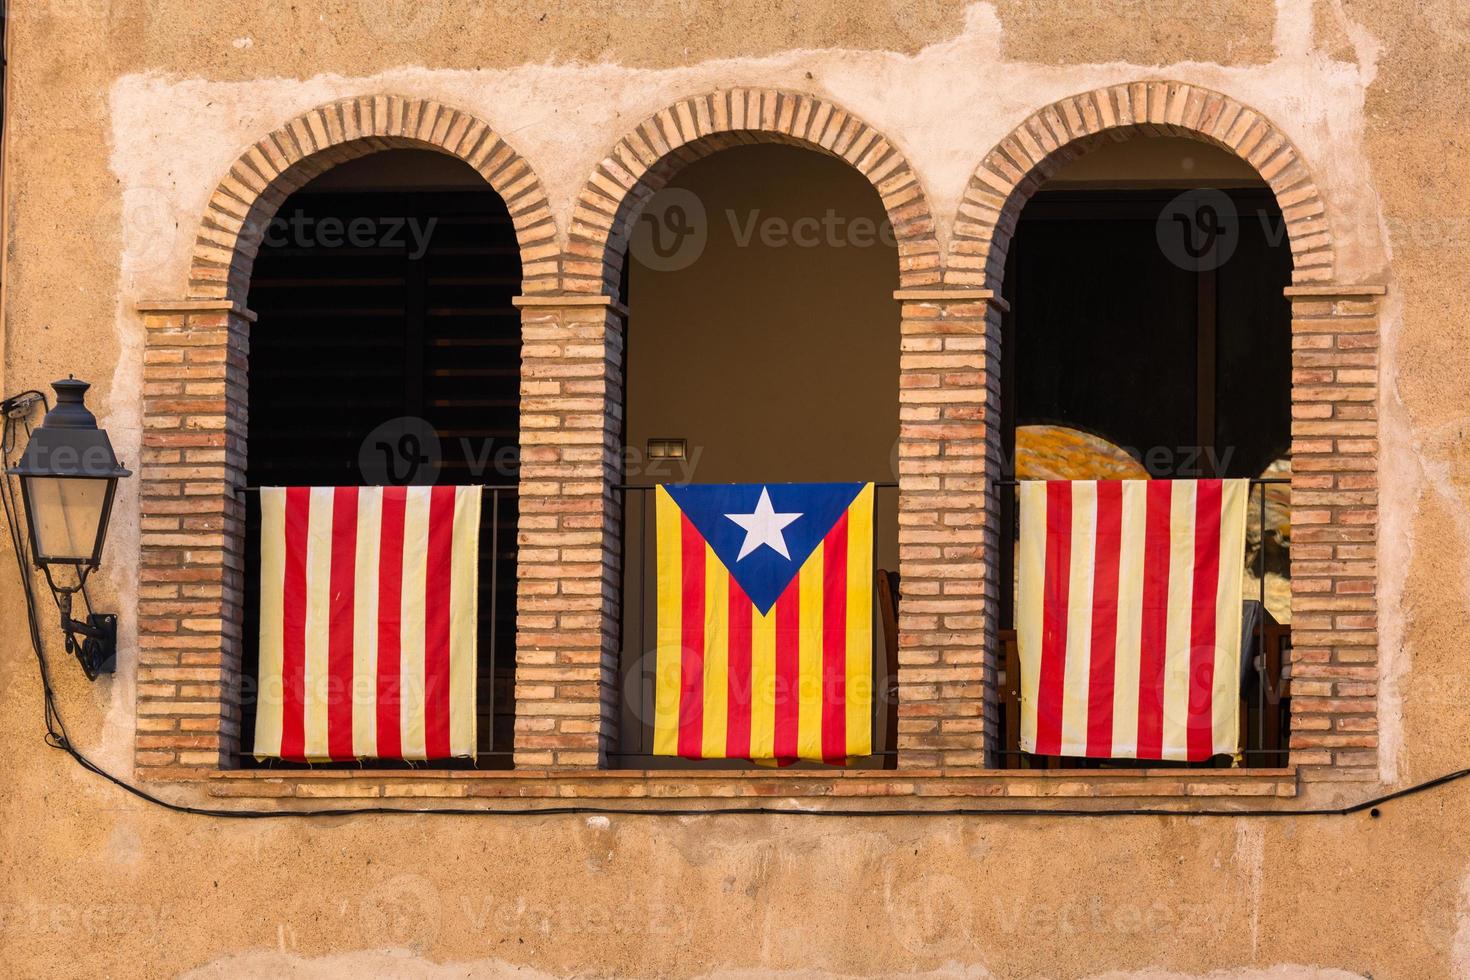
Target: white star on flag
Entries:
(763, 527)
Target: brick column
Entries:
(949, 454)
(192, 536)
(570, 535)
(1334, 517)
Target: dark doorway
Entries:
(383, 291)
(1149, 337)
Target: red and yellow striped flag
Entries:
(368, 614)
(765, 636)
(1128, 617)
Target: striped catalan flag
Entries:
(368, 615)
(765, 635)
(1128, 617)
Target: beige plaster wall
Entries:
(123, 116)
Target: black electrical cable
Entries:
(56, 737)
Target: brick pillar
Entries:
(192, 536)
(949, 454)
(570, 535)
(1334, 517)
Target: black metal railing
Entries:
(638, 632)
(495, 646)
(1265, 688)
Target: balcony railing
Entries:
(495, 641)
(1265, 684)
(639, 623)
(1265, 705)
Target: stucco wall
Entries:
(123, 117)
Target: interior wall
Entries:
(1158, 161)
(400, 169)
(773, 349)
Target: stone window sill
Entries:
(871, 789)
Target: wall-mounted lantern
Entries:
(68, 477)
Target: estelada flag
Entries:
(368, 615)
(765, 632)
(1128, 617)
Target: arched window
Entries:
(762, 345)
(1149, 337)
(387, 352)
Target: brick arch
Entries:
(645, 160)
(1063, 131)
(281, 162)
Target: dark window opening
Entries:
(1149, 339)
(383, 292)
(1187, 369)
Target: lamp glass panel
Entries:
(66, 512)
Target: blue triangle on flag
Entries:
(763, 572)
